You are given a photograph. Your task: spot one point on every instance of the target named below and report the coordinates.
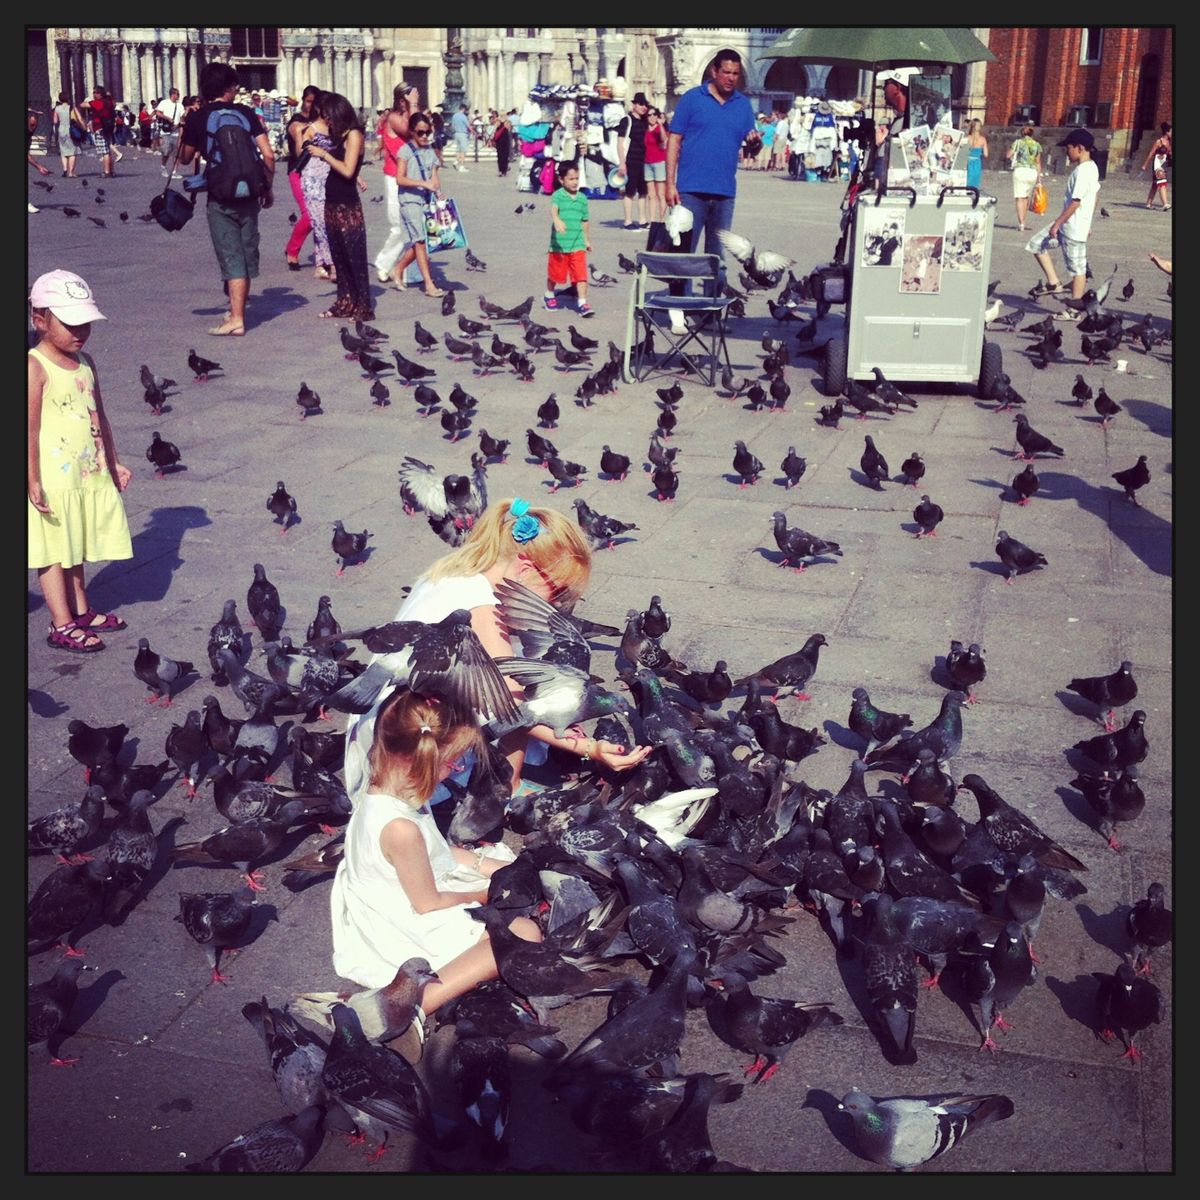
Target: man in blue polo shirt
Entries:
(707, 132)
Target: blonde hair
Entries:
(974, 127)
(559, 550)
(422, 731)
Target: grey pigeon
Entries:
(890, 969)
(543, 630)
(943, 735)
(1126, 747)
(912, 469)
(1106, 407)
(1150, 925)
(308, 400)
(324, 625)
(1127, 1004)
(248, 686)
(63, 903)
(283, 506)
(310, 674)
(792, 671)
(994, 980)
(347, 546)
(906, 1132)
(797, 545)
(555, 695)
(158, 672)
(747, 466)
(279, 1146)
(1012, 831)
(874, 725)
(215, 920)
(1031, 442)
(1133, 478)
(479, 1069)
(262, 603)
(67, 827)
(601, 529)
(131, 852)
(793, 468)
(928, 517)
(1026, 484)
(226, 634)
(47, 1006)
(186, 745)
(383, 1013)
(297, 1057)
(1016, 556)
(874, 465)
(1109, 692)
(162, 454)
(94, 747)
(242, 843)
(1113, 800)
(966, 668)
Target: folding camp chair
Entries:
(691, 326)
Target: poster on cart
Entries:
(921, 269)
(963, 244)
(883, 231)
(943, 150)
(914, 143)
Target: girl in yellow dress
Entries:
(74, 474)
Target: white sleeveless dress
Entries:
(375, 927)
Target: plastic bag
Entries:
(1038, 201)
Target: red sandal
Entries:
(61, 638)
(110, 624)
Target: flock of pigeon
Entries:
(665, 889)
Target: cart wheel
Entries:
(990, 366)
(835, 367)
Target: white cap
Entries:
(67, 296)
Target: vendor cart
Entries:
(915, 287)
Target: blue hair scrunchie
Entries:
(526, 527)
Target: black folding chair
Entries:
(691, 326)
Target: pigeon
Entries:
(627, 265)
(428, 401)
(201, 368)
(614, 465)
(564, 472)
(890, 970)
(765, 267)
(667, 421)
(1026, 484)
(889, 393)
(766, 1026)
(219, 730)
(47, 1006)
(440, 657)
(131, 852)
(567, 359)
(64, 902)
(279, 1146)
(666, 483)
(746, 465)
(500, 348)
(68, 827)
(797, 544)
(793, 468)
(966, 668)
(601, 530)
(1016, 556)
(472, 328)
(584, 344)
(380, 394)
(354, 346)
(994, 979)
(473, 264)
(372, 366)
(1113, 800)
(1031, 442)
(793, 671)
(347, 546)
(1012, 831)
(928, 516)
(1106, 407)
(1003, 391)
(1127, 1004)
(909, 872)
(1081, 391)
(448, 302)
(656, 621)
(600, 279)
(492, 447)
(94, 747)
(1109, 692)
(548, 412)
(1133, 478)
(457, 347)
(186, 745)
(1150, 925)
(156, 398)
(1127, 291)
(860, 398)
(282, 505)
(556, 695)
(158, 672)
(906, 1132)
(262, 603)
(912, 469)
(756, 396)
(242, 843)
(1125, 747)
(311, 674)
(297, 1057)
(425, 340)
(928, 784)
(150, 380)
(831, 414)
(71, 212)
(409, 371)
(162, 454)
(874, 725)
(734, 389)
(943, 735)
(308, 400)
(383, 1013)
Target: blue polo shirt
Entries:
(712, 135)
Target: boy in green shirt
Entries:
(569, 240)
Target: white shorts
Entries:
(1074, 253)
(1023, 180)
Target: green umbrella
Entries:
(876, 48)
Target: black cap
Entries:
(640, 98)
(1079, 137)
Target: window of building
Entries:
(254, 41)
(1090, 45)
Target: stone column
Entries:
(368, 81)
(352, 78)
(193, 72)
(128, 81)
(146, 70)
(505, 84)
(89, 71)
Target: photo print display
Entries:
(883, 232)
(921, 268)
(964, 239)
(943, 150)
(914, 144)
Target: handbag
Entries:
(172, 209)
(443, 226)
(1038, 201)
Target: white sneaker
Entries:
(33, 208)
(463, 170)
(117, 154)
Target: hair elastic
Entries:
(525, 527)
(426, 729)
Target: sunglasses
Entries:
(420, 132)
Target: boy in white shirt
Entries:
(170, 114)
(1072, 226)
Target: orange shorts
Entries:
(564, 266)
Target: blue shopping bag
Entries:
(443, 225)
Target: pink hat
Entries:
(67, 296)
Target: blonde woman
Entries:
(1025, 155)
(977, 152)
(401, 890)
(534, 546)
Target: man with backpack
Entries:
(238, 178)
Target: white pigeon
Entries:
(765, 267)
(676, 814)
(993, 310)
(679, 221)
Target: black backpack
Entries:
(235, 168)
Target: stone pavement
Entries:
(170, 1070)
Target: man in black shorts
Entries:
(631, 148)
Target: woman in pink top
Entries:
(393, 133)
(656, 164)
